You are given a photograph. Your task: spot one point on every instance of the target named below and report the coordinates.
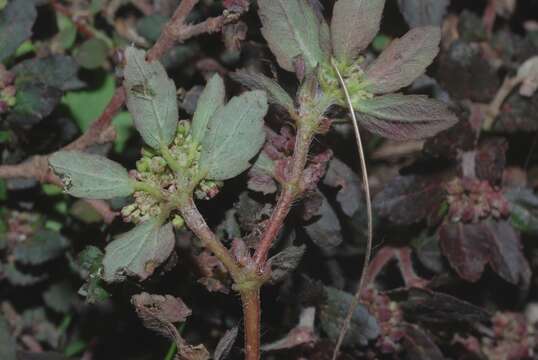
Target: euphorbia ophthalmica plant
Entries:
(188, 161)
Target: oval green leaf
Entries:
(91, 176)
(209, 101)
(292, 30)
(234, 135)
(151, 98)
(354, 25)
(138, 252)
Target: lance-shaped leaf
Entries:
(292, 30)
(404, 60)
(234, 135)
(354, 25)
(404, 117)
(91, 176)
(151, 98)
(257, 81)
(209, 101)
(138, 252)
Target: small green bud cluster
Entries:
(153, 170)
(355, 81)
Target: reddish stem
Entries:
(252, 322)
(291, 189)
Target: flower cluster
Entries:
(389, 316)
(514, 338)
(7, 89)
(355, 81)
(471, 200)
(153, 169)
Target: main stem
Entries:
(249, 281)
(252, 322)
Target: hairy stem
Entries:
(252, 320)
(368, 251)
(196, 222)
(290, 191)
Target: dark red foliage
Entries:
(470, 247)
(410, 199)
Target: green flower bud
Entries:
(157, 165)
(143, 165)
(178, 222)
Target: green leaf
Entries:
(151, 26)
(91, 176)
(8, 345)
(234, 135)
(34, 102)
(87, 105)
(292, 30)
(151, 98)
(209, 101)
(354, 25)
(256, 81)
(404, 60)
(59, 297)
(18, 278)
(44, 246)
(404, 117)
(16, 21)
(139, 251)
(58, 71)
(67, 33)
(92, 54)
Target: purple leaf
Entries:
(470, 247)
(404, 60)
(354, 25)
(405, 117)
(291, 28)
(409, 199)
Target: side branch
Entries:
(290, 191)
